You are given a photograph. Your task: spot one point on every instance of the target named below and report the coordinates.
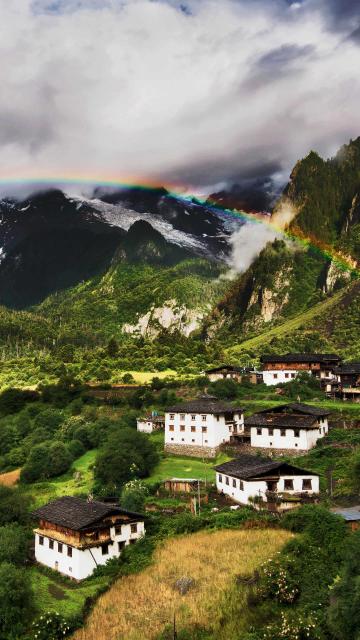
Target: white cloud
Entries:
(138, 88)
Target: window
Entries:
(217, 418)
(41, 539)
(275, 376)
(172, 416)
(118, 529)
(320, 430)
(288, 485)
(69, 552)
(193, 429)
(297, 433)
(306, 484)
(283, 432)
(226, 480)
(182, 427)
(60, 547)
(258, 431)
(293, 375)
(203, 418)
(104, 549)
(271, 432)
(121, 545)
(182, 416)
(234, 483)
(286, 375)
(51, 544)
(204, 429)
(171, 427)
(182, 439)
(205, 441)
(192, 439)
(220, 478)
(172, 439)
(134, 527)
(193, 417)
(241, 485)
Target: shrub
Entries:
(133, 496)
(50, 626)
(14, 541)
(14, 506)
(16, 601)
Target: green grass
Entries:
(284, 328)
(185, 467)
(55, 594)
(65, 485)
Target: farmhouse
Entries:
(253, 479)
(150, 423)
(182, 485)
(348, 379)
(284, 368)
(197, 428)
(75, 536)
(229, 372)
(289, 426)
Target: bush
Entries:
(14, 542)
(133, 496)
(14, 506)
(50, 626)
(344, 612)
(16, 601)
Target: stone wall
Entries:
(190, 450)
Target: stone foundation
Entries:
(189, 450)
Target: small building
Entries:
(277, 369)
(229, 372)
(181, 485)
(198, 428)
(75, 536)
(289, 426)
(348, 381)
(350, 514)
(150, 423)
(251, 479)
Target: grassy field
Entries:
(67, 484)
(321, 309)
(140, 606)
(178, 467)
(54, 594)
(144, 377)
(10, 478)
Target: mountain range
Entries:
(139, 264)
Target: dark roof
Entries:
(352, 367)
(298, 407)
(351, 514)
(285, 420)
(302, 357)
(76, 513)
(204, 404)
(227, 367)
(249, 466)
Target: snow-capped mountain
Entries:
(51, 241)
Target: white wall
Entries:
(306, 440)
(259, 487)
(276, 377)
(145, 426)
(217, 430)
(83, 561)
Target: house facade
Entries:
(197, 428)
(278, 369)
(225, 372)
(294, 426)
(75, 536)
(150, 423)
(347, 382)
(251, 479)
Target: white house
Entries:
(289, 426)
(150, 423)
(250, 479)
(75, 536)
(277, 369)
(199, 427)
(224, 372)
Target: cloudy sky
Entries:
(199, 93)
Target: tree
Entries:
(133, 496)
(14, 506)
(14, 541)
(112, 348)
(126, 455)
(45, 461)
(224, 389)
(16, 601)
(344, 611)
(128, 378)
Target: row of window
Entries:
(288, 483)
(287, 375)
(192, 440)
(182, 417)
(192, 429)
(60, 545)
(260, 431)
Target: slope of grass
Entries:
(139, 607)
(66, 485)
(186, 467)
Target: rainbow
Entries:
(295, 235)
